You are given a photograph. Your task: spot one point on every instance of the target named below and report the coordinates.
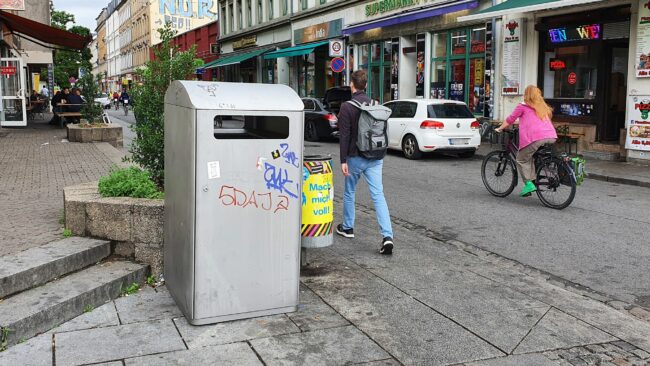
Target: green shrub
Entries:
(128, 182)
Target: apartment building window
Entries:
(322, 2)
(260, 16)
(285, 7)
(240, 23)
(304, 4)
(249, 13)
(223, 16)
(270, 9)
(231, 18)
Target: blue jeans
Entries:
(371, 171)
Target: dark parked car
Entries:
(319, 122)
(334, 97)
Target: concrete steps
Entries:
(36, 266)
(46, 286)
(42, 308)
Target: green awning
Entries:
(233, 59)
(521, 6)
(303, 49)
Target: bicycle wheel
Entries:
(499, 173)
(556, 185)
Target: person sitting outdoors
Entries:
(56, 100)
(35, 96)
(74, 102)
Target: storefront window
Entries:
(458, 42)
(572, 72)
(375, 53)
(363, 56)
(440, 45)
(460, 74)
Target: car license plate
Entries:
(458, 141)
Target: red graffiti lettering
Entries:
(252, 200)
(222, 195)
(283, 204)
(270, 201)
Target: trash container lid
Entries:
(317, 157)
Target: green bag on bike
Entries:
(578, 164)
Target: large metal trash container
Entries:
(233, 175)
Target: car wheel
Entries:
(311, 133)
(467, 154)
(410, 148)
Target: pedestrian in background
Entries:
(354, 166)
(45, 92)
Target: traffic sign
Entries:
(572, 78)
(336, 48)
(337, 64)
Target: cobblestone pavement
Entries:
(36, 162)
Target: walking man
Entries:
(354, 165)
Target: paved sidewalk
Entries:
(609, 171)
(431, 303)
(36, 162)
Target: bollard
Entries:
(317, 202)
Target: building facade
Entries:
(205, 40)
(101, 67)
(590, 60)
(125, 29)
(140, 28)
(114, 62)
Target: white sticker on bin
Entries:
(214, 171)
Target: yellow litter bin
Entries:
(317, 201)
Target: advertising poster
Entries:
(642, 62)
(12, 4)
(183, 15)
(638, 123)
(394, 69)
(419, 82)
(511, 84)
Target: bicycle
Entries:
(125, 104)
(555, 179)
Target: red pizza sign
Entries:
(8, 70)
(572, 78)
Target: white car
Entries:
(103, 100)
(424, 125)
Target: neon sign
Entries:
(579, 33)
(556, 64)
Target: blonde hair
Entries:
(533, 98)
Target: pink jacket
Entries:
(531, 127)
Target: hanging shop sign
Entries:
(579, 33)
(336, 48)
(318, 32)
(245, 42)
(337, 64)
(512, 57)
(8, 70)
(214, 48)
(642, 62)
(572, 78)
(12, 4)
(556, 65)
(638, 123)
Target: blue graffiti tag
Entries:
(278, 179)
(289, 156)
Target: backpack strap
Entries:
(355, 103)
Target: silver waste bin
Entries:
(233, 178)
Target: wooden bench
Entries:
(65, 115)
(569, 138)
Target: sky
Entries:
(85, 11)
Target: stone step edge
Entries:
(55, 268)
(58, 313)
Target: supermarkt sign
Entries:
(385, 6)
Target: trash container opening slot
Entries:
(250, 127)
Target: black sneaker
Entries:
(348, 233)
(386, 246)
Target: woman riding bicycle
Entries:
(535, 131)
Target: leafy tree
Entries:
(91, 111)
(169, 64)
(67, 62)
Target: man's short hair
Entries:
(359, 79)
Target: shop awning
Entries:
(233, 59)
(410, 16)
(303, 49)
(43, 32)
(521, 6)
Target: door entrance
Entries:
(616, 57)
(12, 109)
